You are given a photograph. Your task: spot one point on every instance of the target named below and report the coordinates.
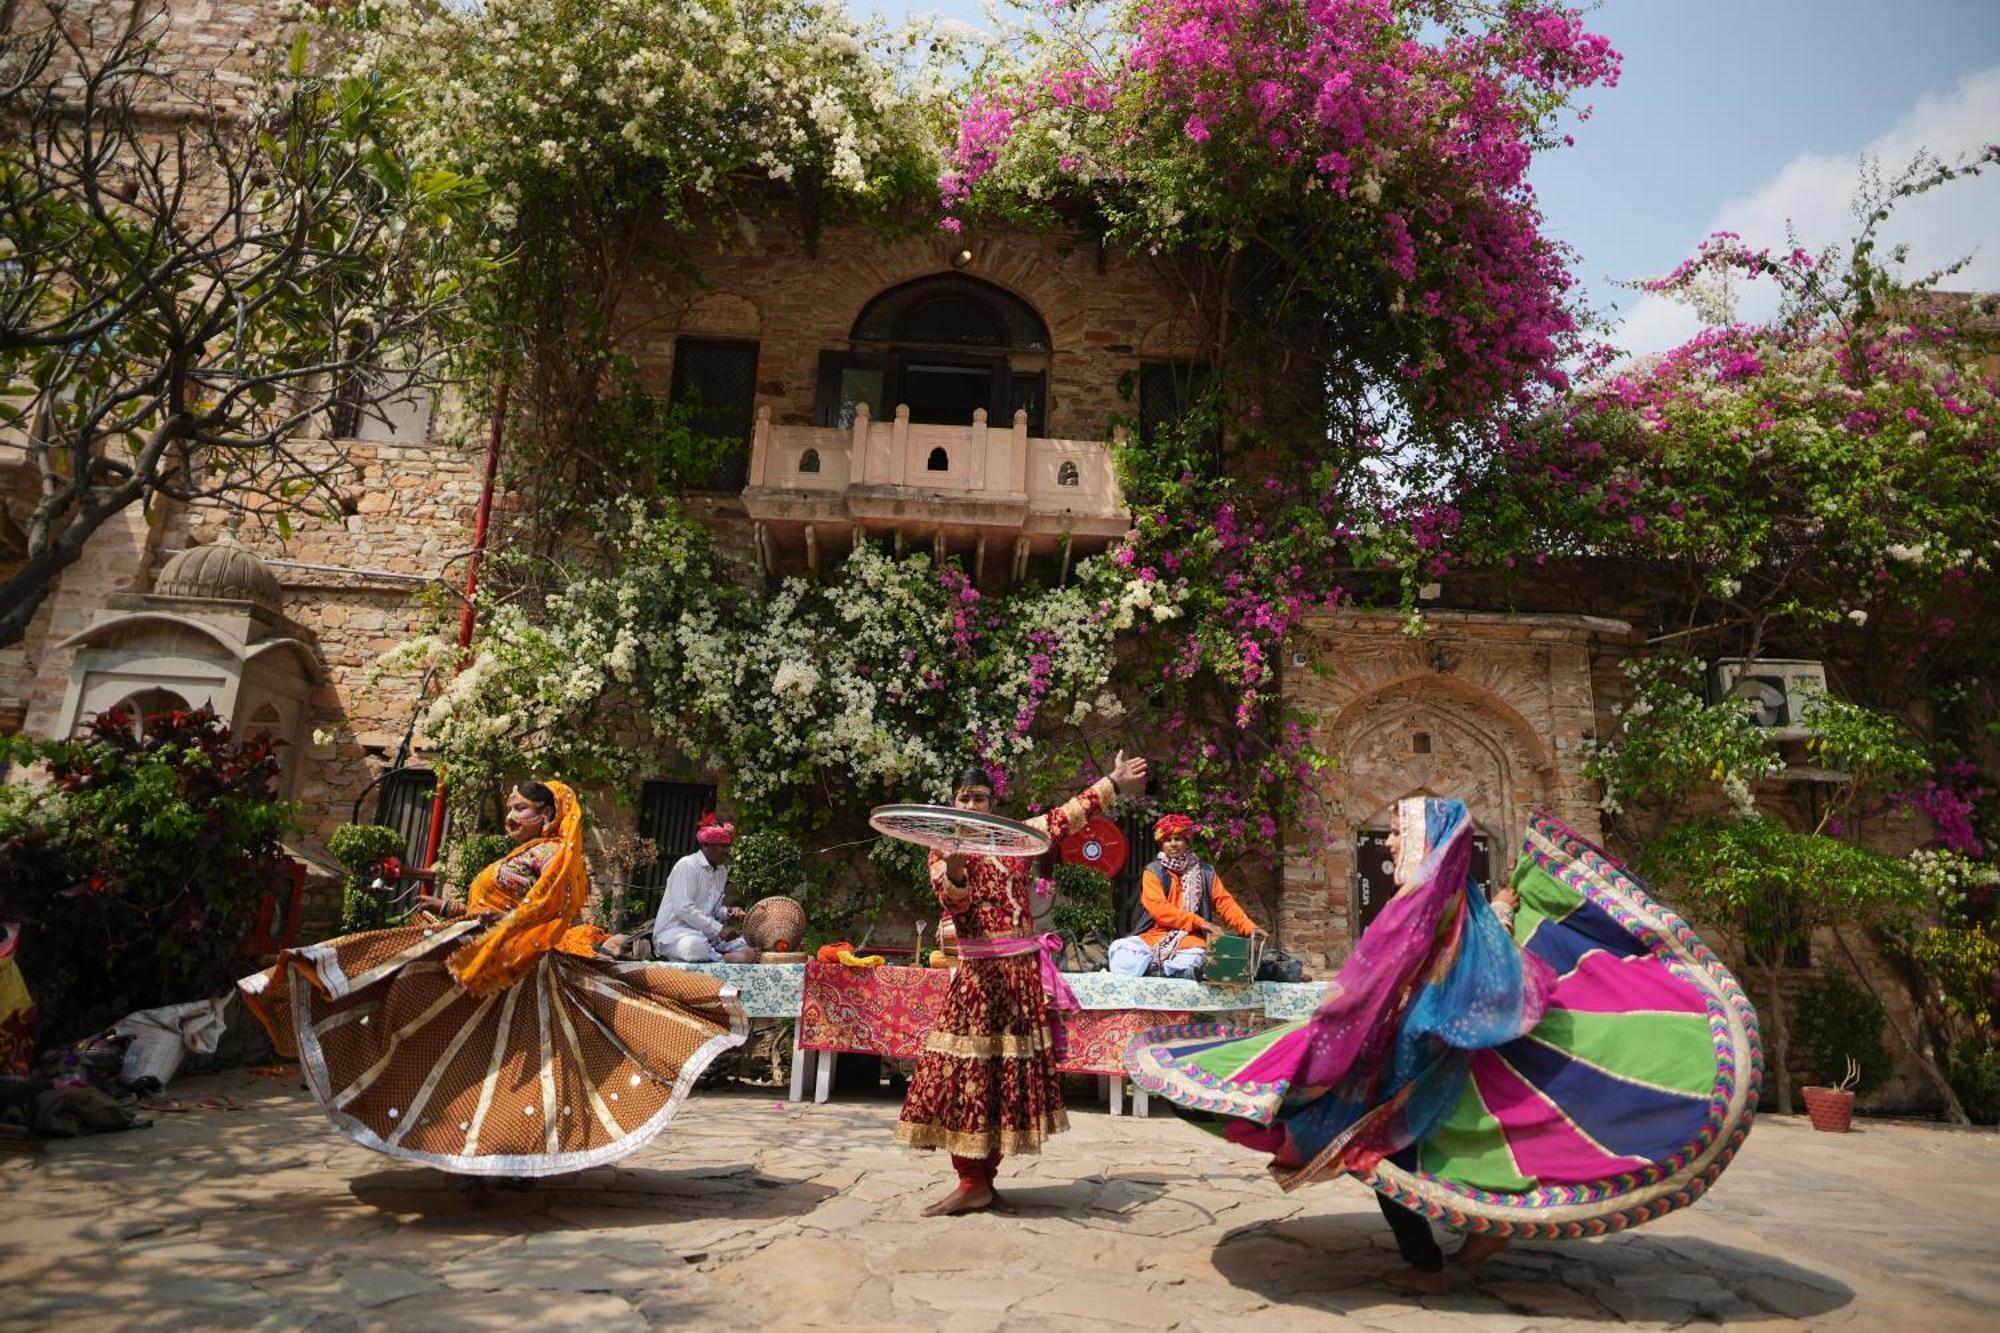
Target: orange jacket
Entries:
(1162, 902)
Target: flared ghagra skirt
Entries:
(1623, 1103)
(578, 1063)
(987, 1080)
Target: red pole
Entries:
(466, 617)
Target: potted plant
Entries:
(1832, 1109)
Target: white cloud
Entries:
(1814, 193)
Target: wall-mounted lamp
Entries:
(961, 258)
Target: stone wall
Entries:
(1106, 310)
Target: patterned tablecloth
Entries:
(777, 991)
(767, 990)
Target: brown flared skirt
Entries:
(577, 1064)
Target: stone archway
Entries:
(1432, 737)
(1493, 710)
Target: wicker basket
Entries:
(775, 925)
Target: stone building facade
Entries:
(1490, 706)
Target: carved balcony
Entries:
(962, 490)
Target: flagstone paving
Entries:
(752, 1212)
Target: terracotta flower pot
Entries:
(1830, 1109)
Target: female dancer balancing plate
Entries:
(986, 1083)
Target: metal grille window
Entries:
(668, 814)
(720, 380)
(1125, 885)
(1167, 391)
(404, 804)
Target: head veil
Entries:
(1434, 977)
(505, 953)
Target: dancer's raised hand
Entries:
(1129, 775)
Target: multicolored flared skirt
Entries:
(1623, 1103)
(579, 1063)
(987, 1080)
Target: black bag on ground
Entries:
(1280, 966)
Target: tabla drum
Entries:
(775, 925)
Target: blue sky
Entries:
(1748, 113)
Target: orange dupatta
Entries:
(540, 920)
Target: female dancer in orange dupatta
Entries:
(498, 1043)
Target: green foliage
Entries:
(1975, 1077)
(1963, 965)
(1672, 742)
(1083, 903)
(138, 870)
(469, 855)
(1955, 945)
(1872, 748)
(360, 849)
(767, 863)
(1773, 886)
(1840, 1020)
(898, 889)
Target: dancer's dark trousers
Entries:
(1413, 1236)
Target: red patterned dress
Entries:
(986, 1083)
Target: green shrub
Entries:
(1083, 903)
(360, 849)
(767, 863)
(470, 855)
(138, 870)
(1839, 1020)
(1975, 1077)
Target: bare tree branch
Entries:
(190, 291)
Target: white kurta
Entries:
(689, 925)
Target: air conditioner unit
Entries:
(1778, 691)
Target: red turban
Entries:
(712, 833)
(1171, 826)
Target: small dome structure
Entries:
(224, 572)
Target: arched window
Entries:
(939, 461)
(266, 723)
(142, 704)
(945, 346)
(809, 461)
(1066, 475)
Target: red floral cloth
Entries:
(889, 1011)
(986, 1080)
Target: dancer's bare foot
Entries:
(1478, 1249)
(1431, 1282)
(964, 1199)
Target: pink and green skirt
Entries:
(1623, 1103)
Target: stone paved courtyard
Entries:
(751, 1212)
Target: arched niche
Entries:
(1434, 735)
(260, 682)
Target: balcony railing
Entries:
(976, 476)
